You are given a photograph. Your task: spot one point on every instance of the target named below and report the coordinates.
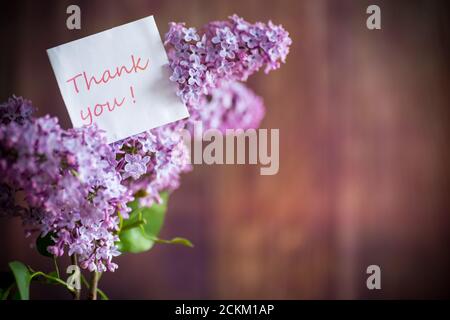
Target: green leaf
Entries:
(155, 217)
(141, 229)
(23, 279)
(177, 240)
(42, 243)
(133, 219)
(134, 240)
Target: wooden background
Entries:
(364, 176)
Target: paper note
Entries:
(118, 79)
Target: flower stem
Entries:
(102, 295)
(55, 262)
(76, 293)
(57, 280)
(94, 284)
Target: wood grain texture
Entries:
(364, 126)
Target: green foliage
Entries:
(134, 240)
(23, 279)
(140, 231)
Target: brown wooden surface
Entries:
(364, 122)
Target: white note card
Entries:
(118, 79)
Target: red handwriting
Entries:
(98, 108)
(107, 75)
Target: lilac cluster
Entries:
(232, 106)
(152, 162)
(75, 185)
(206, 67)
(68, 181)
(225, 51)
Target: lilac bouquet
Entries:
(78, 195)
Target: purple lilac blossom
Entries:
(155, 160)
(74, 183)
(204, 64)
(232, 106)
(69, 184)
(224, 51)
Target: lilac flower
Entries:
(69, 183)
(250, 41)
(227, 51)
(226, 68)
(194, 77)
(135, 166)
(168, 158)
(149, 143)
(177, 75)
(190, 34)
(231, 106)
